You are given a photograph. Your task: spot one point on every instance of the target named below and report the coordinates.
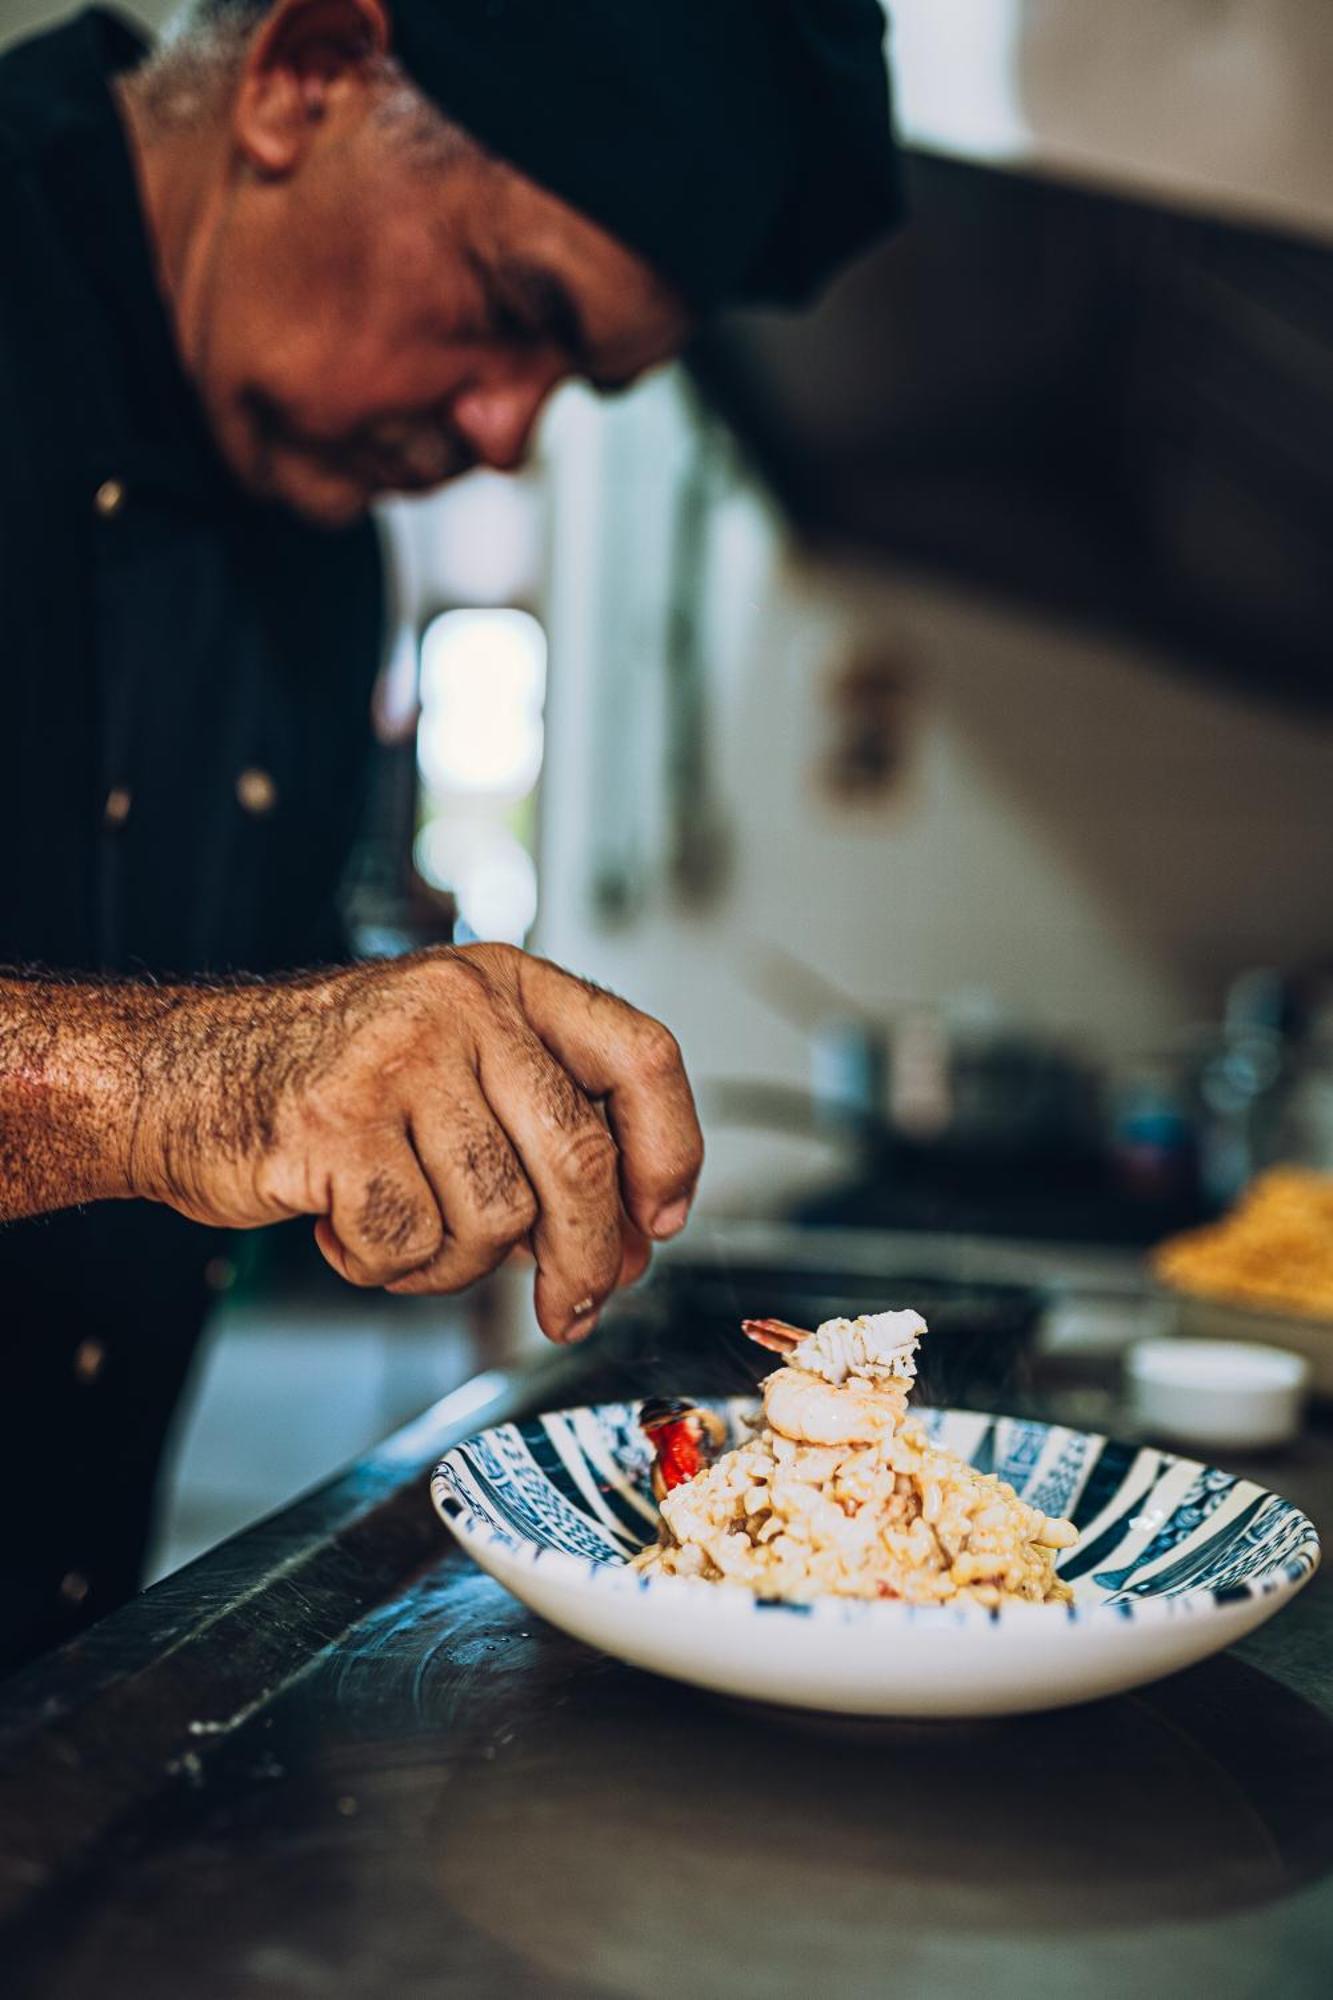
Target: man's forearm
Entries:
(430, 1113)
(70, 1065)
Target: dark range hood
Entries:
(1093, 404)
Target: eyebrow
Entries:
(550, 310)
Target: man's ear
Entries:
(307, 56)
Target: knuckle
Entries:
(437, 1277)
(481, 1258)
(502, 958)
(461, 1263)
(477, 987)
(365, 1276)
(509, 1221)
(494, 1233)
(524, 1209)
(424, 1251)
(657, 1052)
(464, 968)
(394, 1225)
(595, 1264)
(281, 1181)
(490, 1173)
(454, 977)
(389, 1271)
(587, 1156)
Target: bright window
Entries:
(479, 750)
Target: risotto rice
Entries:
(840, 1494)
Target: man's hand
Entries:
(433, 1113)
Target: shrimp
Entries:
(810, 1409)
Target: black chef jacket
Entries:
(185, 683)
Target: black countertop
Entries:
(332, 1758)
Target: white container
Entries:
(1218, 1392)
(1219, 1319)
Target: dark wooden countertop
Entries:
(332, 1758)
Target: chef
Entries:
(306, 253)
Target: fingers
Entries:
(569, 1159)
(636, 1253)
(479, 1186)
(632, 1062)
(383, 1218)
(438, 1205)
(514, 1105)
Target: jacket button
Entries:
(109, 498)
(256, 791)
(89, 1357)
(117, 808)
(74, 1586)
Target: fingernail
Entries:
(672, 1219)
(581, 1328)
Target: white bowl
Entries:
(1218, 1393)
(1176, 1560)
(1198, 1318)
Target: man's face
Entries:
(365, 325)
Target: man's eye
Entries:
(511, 324)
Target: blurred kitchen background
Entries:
(925, 706)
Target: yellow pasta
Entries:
(1275, 1249)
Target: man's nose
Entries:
(496, 417)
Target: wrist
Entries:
(69, 1099)
(151, 1079)
(101, 1073)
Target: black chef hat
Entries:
(742, 146)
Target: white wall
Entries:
(1219, 105)
(1096, 840)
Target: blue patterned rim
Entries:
(1159, 1535)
